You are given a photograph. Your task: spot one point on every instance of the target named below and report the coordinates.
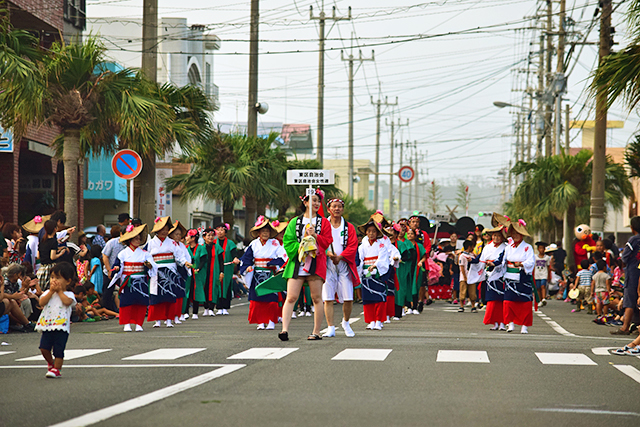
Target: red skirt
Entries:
(177, 307)
(133, 314)
(391, 306)
(520, 313)
(263, 312)
(375, 311)
(161, 311)
(494, 313)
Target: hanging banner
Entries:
(163, 197)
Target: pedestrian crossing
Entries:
(348, 354)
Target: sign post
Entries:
(310, 177)
(406, 174)
(127, 164)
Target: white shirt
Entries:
(338, 237)
(313, 223)
(542, 267)
(55, 315)
(492, 253)
(32, 243)
(157, 246)
(522, 253)
(377, 249)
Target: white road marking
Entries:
(565, 359)
(239, 305)
(2, 353)
(68, 355)
(139, 365)
(587, 411)
(165, 354)
(468, 356)
(95, 417)
(629, 371)
(368, 354)
(351, 322)
(554, 325)
(264, 353)
(602, 351)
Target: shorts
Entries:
(542, 283)
(585, 293)
(56, 340)
(338, 282)
(630, 299)
(602, 297)
(4, 309)
(470, 288)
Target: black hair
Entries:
(208, 230)
(480, 227)
(601, 264)
(116, 231)
(596, 256)
(89, 285)
(123, 217)
(584, 264)
(611, 238)
(59, 216)
(27, 269)
(607, 243)
(447, 248)
(96, 251)
(67, 272)
(468, 244)
(49, 228)
(635, 224)
(9, 228)
(79, 289)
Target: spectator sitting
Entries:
(10, 306)
(13, 235)
(82, 244)
(12, 286)
(86, 311)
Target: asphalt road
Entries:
(205, 379)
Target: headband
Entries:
(225, 225)
(318, 193)
(335, 200)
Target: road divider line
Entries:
(141, 365)
(147, 399)
(554, 325)
(586, 411)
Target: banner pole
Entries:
(131, 198)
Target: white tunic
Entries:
(262, 254)
(394, 253)
(368, 252)
(168, 246)
(139, 255)
(492, 253)
(521, 253)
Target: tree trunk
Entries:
(227, 216)
(70, 157)
(282, 212)
(250, 214)
(569, 225)
(147, 197)
(261, 209)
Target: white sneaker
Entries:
(211, 313)
(501, 327)
(415, 312)
(511, 327)
(468, 304)
(279, 319)
(182, 318)
(157, 324)
(378, 325)
(225, 312)
(307, 314)
(168, 323)
(206, 313)
(293, 315)
(271, 325)
(186, 316)
(195, 317)
(127, 328)
(301, 314)
(219, 312)
(177, 320)
(331, 332)
(371, 325)
(388, 320)
(347, 329)
(313, 309)
(524, 330)
(260, 326)
(139, 328)
(395, 318)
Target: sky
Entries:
(446, 61)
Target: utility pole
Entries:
(252, 119)
(146, 181)
(540, 127)
(560, 74)
(400, 163)
(350, 59)
(321, 21)
(547, 108)
(567, 139)
(376, 189)
(600, 138)
(391, 172)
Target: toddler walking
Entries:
(54, 321)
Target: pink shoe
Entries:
(53, 373)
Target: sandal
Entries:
(314, 337)
(635, 351)
(284, 336)
(620, 351)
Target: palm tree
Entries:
(97, 110)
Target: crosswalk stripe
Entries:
(467, 356)
(629, 371)
(68, 354)
(367, 354)
(263, 353)
(602, 351)
(2, 353)
(165, 354)
(565, 359)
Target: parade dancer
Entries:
(400, 277)
(373, 269)
(194, 288)
(163, 291)
(260, 261)
(177, 232)
(306, 264)
(342, 274)
(207, 270)
(418, 271)
(422, 238)
(518, 280)
(136, 269)
(227, 260)
(395, 257)
(493, 258)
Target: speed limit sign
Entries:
(406, 173)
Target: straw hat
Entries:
(551, 248)
(363, 228)
(279, 226)
(139, 230)
(35, 225)
(380, 219)
(499, 219)
(497, 229)
(178, 225)
(520, 227)
(262, 222)
(160, 223)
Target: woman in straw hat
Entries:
(177, 233)
(135, 271)
(261, 259)
(418, 265)
(374, 270)
(33, 227)
(314, 268)
(163, 291)
(493, 258)
(518, 279)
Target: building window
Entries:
(194, 75)
(75, 13)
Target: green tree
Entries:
(96, 109)
(356, 212)
(463, 196)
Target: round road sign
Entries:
(126, 164)
(406, 173)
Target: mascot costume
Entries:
(583, 245)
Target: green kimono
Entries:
(208, 275)
(419, 271)
(225, 253)
(404, 273)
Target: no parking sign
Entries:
(126, 164)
